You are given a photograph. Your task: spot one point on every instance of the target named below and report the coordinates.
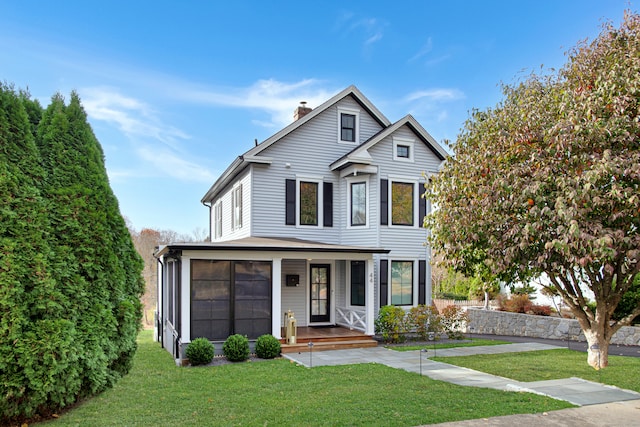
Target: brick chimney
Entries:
(301, 111)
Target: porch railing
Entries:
(351, 318)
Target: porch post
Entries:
(276, 297)
(370, 302)
(185, 300)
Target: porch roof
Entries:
(275, 244)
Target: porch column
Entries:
(276, 297)
(185, 301)
(370, 302)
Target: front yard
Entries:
(622, 372)
(279, 392)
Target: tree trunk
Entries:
(486, 300)
(598, 348)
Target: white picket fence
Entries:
(442, 303)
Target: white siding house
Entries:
(324, 218)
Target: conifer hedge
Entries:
(70, 278)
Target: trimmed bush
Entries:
(236, 348)
(454, 319)
(424, 319)
(267, 347)
(391, 324)
(200, 352)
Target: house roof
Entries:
(360, 154)
(253, 155)
(269, 244)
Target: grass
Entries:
(473, 343)
(622, 372)
(279, 392)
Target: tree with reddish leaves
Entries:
(547, 184)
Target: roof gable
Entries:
(360, 152)
(350, 91)
(253, 155)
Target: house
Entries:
(324, 218)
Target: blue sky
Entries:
(176, 90)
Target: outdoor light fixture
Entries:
(310, 354)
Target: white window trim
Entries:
(416, 207)
(342, 110)
(414, 280)
(236, 208)
(406, 142)
(354, 180)
(319, 181)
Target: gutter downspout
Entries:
(209, 206)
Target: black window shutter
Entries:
(384, 282)
(422, 206)
(327, 212)
(422, 282)
(291, 202)
(384, 204)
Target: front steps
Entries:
(329, 343)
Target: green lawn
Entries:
(279, 392)
(623, 372)
(475, 342)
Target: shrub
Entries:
(540, 310)
(391, 324)
(454, 319)
(424, 319)
(267, 346)
(236, 348)
(200, 351)
(517, 303)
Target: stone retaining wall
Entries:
(525, 325)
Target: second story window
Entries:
(358, 203)
(403, 149)
(402, 203)
(348, 127)
(217, 219)
(236, 215)
(308, 203)
(348, 123)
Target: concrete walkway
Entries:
(574, 390)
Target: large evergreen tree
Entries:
(37, 349)
(91, 236)
(70, 278)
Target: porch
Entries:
(327, 338)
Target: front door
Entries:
(320, 292)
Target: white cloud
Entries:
(276, 98)
(133, 117)
(371, 30)
(168, 163)
(437, 94)
(425, 49)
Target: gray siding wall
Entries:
(295, 298)
(245, 179)
(306, 152)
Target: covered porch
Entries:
(246, 287)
